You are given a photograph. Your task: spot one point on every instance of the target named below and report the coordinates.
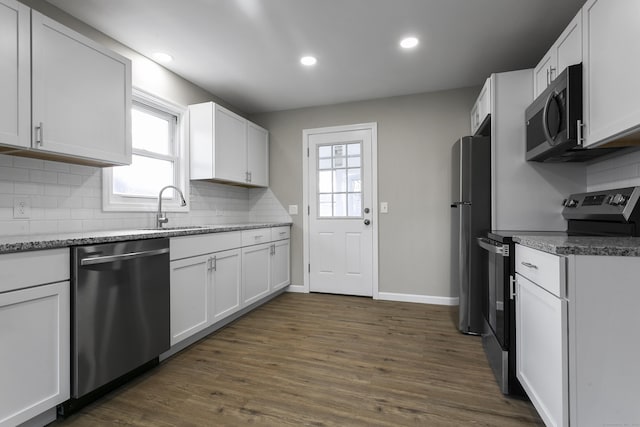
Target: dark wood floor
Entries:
(321, 360)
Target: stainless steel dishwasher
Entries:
(120, 314)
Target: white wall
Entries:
(415, 135)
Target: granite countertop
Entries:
(61, 240)
(582, 245)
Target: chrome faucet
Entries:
(160, 218)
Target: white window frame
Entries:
(116, 203)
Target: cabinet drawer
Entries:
(280, 233)
(188, 246)
(256, 236)
(24, 269)
(546, 270)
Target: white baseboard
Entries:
(422, 299)
(297, 288)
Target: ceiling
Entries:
(247, 51)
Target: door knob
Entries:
(366, 210)
(367, 222)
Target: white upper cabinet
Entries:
(258, 155)
(226, 147)
(81, 96)
(64, 97)
(611, 69)
(567, 50)
(482, 107)
(15, 65)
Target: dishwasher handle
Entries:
(491, 247)
(122, 257)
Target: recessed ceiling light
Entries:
(308, 60)
(409, 42)
(162, 57)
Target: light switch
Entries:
(384, 207)
(293, 209)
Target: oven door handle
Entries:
(122, 257)
(487, 245)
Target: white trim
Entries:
(306, 133)
(299, 289)
(111, 204)
(422, 299)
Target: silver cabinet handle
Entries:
(552, 70)
(579, 135)
(512, 287)
(39, 134)
(214, 263)
(122, 257)
(529, 265)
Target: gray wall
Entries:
(415, 135)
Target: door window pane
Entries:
(324, 181)
(340, 204)
(339, 180)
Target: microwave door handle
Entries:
(545, 121)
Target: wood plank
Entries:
(321, 360)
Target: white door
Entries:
(341, 210)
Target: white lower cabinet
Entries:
(280, 264)
(256, 272)
(541, 323)
(190, 289)
(34, 335)
(215, 275)
(226, 276)
(577, 345)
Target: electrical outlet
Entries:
(293, 209)
(384, 207)
(21, 207)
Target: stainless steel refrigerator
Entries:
(470, 218)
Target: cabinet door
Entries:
(256, 272)
(258, 155)
(611, 66)
(190, 279)
(230, 146)
(280, 268)
(542, 72)
(15, 74)
(541, 349)
(35, 351)
(81, 95)
(568, 47)
(226, 279)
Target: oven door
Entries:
(497, 302)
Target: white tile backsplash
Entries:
(68, 198)
(620, 171)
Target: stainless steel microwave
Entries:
(554, 119)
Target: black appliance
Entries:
(120, 319)
(470, 218)
(612, 213)
(554, 122)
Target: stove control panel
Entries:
(611, 205)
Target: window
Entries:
(339, 182)
(158, 159)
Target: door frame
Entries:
(306, 133)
